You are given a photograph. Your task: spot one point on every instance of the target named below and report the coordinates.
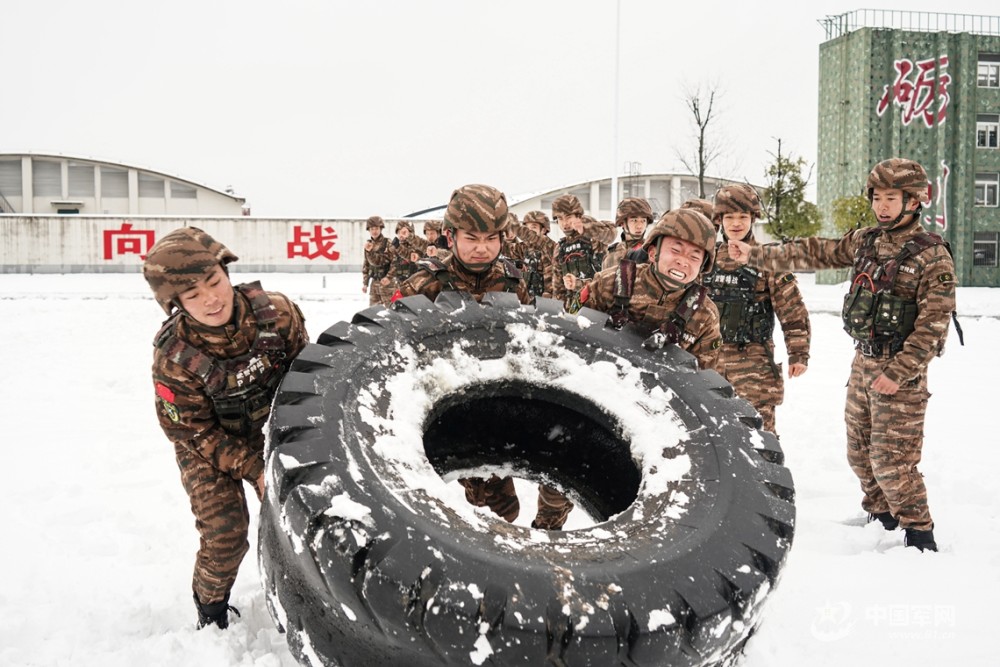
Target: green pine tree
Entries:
(786, 210)
(852, 213)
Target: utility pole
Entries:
(614, 113)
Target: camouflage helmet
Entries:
(633, 207)
(477, 208)
(900, 174)
(567, 205)
(374, 221)
(538, 218)
(703, 206)
(179, 260)
(432, 226)
(736, 198)
(688, 225)
(404, 224)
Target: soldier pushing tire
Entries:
(368, 558)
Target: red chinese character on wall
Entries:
(321, 238)
(940, 219)
(916, 89)
(127, 241)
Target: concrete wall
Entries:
(116, 244)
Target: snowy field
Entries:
(99, 542)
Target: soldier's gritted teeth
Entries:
(679, 260)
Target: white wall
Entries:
(117, 244)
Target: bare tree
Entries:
(701, 104)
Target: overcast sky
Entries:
(329, 108)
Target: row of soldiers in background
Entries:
(748, 300)
(719, 299)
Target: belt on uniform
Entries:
(877, 348)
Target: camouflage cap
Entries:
(432, 226)
(538, 218)
(688, 225)
(736, 198)
(404, 224)
(179, 260)
(567, 205)
(477, 208)
(703, 206)
(900, 174)
(633, 207)
(374, 221)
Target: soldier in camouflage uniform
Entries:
(437, 244)
(404, 252)
(475, 223)
(376, 264)
(578, 254)
(706, 208)
(633, 216)
(748, 300)
(513, 248)
(901, 297)
(663, 298)
(217, 363)
(539, 250)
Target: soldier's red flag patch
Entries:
(163, 391)
(396, 297)
(584, 294)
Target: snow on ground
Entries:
(99, 542)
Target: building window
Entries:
(114, 183)
(987, 129)
(81, 180)
(181, 191)
(984, 248)
(150, 186)
(46, 178)
(987, 189)
(989, 71)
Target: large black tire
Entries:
(363, 567)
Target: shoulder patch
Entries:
(717, 343)
(787, 278)
(164, 392)
(946, 278)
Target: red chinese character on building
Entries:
(916, 89)
(321, 238)
(127, 241)
(940, 220)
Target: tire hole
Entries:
(546, 434)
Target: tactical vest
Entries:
(438, 269)
(378, 271)
(578, 257)
(742, 318)
(241, 389)
(873, 316)
(671, 326)
(531, 268)
(401, 259)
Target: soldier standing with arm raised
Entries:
(902, 295)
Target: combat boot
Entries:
(888, 521)
(215, 613)
(921, 539)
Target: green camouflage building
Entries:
(925, 86)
